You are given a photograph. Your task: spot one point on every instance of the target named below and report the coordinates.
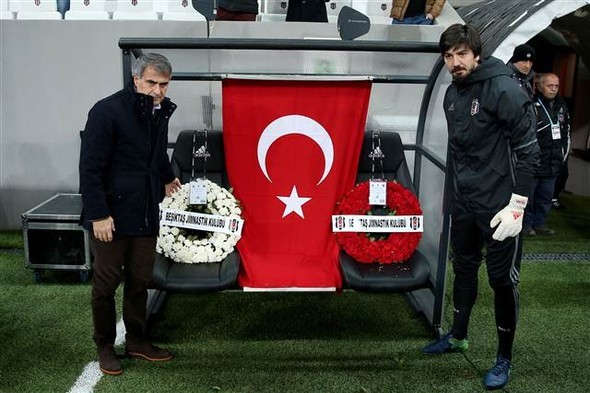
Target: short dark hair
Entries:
(458, 34)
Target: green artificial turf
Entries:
(306, 342)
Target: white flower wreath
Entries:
(188, 246)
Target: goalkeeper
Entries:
(493, 154)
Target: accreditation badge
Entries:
(378, 192)
(555, 131)
(198, 192)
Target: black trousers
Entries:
(129, 260)
(471, 235)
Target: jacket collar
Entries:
(144, 103)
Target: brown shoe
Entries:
(108, 361)
(147, 351)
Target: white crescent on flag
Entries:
(296, 124)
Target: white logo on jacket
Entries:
(474, 107)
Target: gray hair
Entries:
(155, 60)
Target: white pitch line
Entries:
(91, 373)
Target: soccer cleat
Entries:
(497, 377)
(446, 344)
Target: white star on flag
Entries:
(293, 203)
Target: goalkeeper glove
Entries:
(509, 218)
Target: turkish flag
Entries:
(292, 150)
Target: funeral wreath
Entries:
(395, 247)
(188, 245)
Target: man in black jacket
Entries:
(521, 67)
(124, 173)
(553, 134)
(493, 153)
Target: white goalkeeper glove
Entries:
(509, 218)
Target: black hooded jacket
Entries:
(493, 148)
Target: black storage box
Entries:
(53, 238)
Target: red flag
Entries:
(292, 150)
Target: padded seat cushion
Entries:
(396, 277)
(195, 278)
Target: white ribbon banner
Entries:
(354, 223)
(202, 222)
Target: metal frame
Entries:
(132, 47)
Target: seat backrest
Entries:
(87, 5)
(179, 6)
(182, 157)
(134, 10)
(134, 5)
(5, 12)
(373, 7)
(33, 5)
(394, 159)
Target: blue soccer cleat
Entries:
(497, 377)
(446, 344)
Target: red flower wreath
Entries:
(394, 247)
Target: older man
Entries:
(553, 134)
(124, 173)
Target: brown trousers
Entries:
(129, 260)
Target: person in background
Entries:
(553, 134)
(124, 174)
(521, 67)
(415, 12)
(493, 154)
(240, 10)
(307, 11)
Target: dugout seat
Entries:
(134, 10)
(87, 10)
(171, 276)
(181, 10)
(396, 277)
(35, 9)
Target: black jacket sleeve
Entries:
(517, 115)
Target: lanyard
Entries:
(547, 113)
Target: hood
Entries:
(487, 69)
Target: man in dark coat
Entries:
(553, 134)
(521, 67)
(493, 154)
(124, 173)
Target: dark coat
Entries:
(306, 11)
(123, 162)
(249, 6)
(553, 151)
(493, 149)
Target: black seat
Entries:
(199, 277)
(374, 277)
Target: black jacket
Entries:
(493, 149)
(123, 162)
(249, 6)
(553, 151)
(524, 81)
